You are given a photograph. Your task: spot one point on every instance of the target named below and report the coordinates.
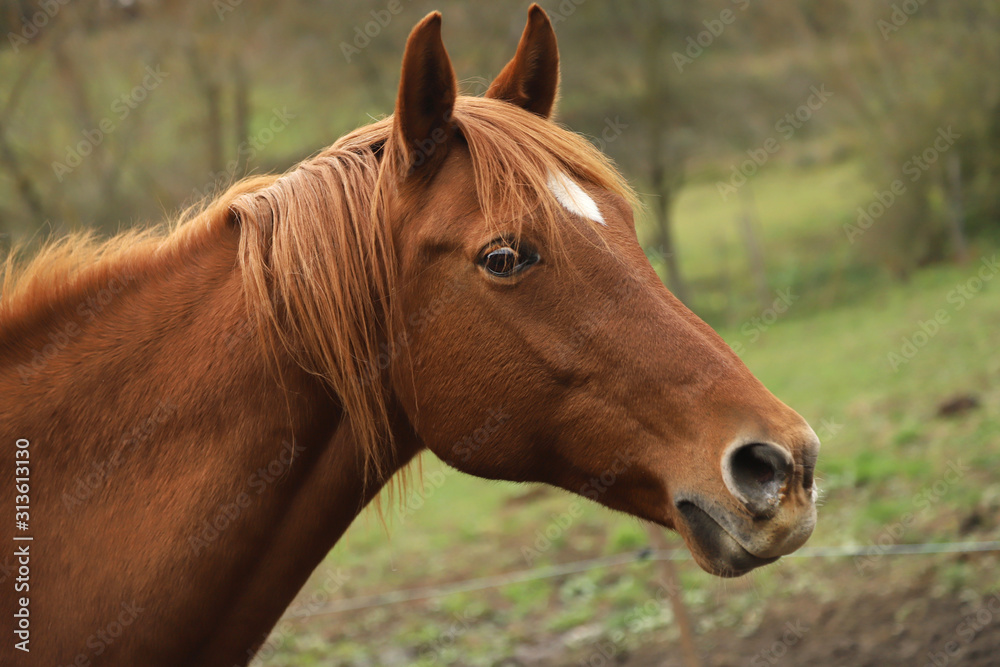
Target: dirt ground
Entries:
(871, 629)
(919, 611)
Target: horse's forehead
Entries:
(574, 198)
(458, 201)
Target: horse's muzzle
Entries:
(770, 513)
(715, 549)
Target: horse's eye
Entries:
(504, 261)
(501, 262)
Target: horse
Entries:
(195, 413)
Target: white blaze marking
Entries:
(573, 197)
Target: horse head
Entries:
(536, 342)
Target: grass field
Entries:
(892, 469)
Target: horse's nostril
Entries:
(809, 456)
(757, 464)
(808, 472)
(756, 474)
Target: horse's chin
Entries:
(713, 548)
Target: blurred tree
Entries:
(904, 97)
(231, 64)
(663, 118)
(640, 112)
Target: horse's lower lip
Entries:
(724, 555)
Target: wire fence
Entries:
(641, 555)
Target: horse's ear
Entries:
(427, 92)
(531, 79)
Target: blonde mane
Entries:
(315, 249)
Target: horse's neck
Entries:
(175, 473)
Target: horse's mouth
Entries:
(714, 549)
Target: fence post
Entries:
(669, 573)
